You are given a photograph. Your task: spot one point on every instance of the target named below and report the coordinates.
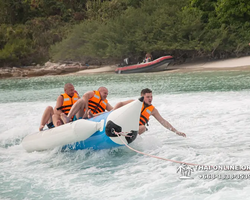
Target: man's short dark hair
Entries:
(146, 90)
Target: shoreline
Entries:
(54, 69)
(231, 64)
(225, 64)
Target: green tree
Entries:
(133, 32)
(235, 15)
(16, 45)
(13, 12)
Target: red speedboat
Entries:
(159, 64)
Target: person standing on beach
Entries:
(92, 102)
(53, 117)
(147, 110)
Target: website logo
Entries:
(185, 171)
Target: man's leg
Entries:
(77, 108)
(47, 117)
(90, 114)
(57, 120)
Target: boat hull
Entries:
(159, 64)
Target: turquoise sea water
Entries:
(212, 108)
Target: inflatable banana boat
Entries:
(97, 133)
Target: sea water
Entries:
(212, 108)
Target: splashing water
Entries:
(212, 108)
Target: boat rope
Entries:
(153, 156)
(121, 133)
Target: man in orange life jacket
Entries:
(63, 104)
(147, 110)
(95, 101)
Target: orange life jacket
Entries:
(96, 104)
(146, 111)
(68, 102)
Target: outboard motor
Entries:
(125, 62)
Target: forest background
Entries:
(106, 31)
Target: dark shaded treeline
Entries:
(102, 31)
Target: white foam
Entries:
(217, 125)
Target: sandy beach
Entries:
(54, 69)
(105, 69)
(242, 63)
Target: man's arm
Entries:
(77, 94)
(56, 118)
(59, 103)
(118, 105)
(88, 95)
(109, 107)
(122, 103)
(165, 123)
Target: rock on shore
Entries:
(49, 69)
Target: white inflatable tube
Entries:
(95, 133)
(62, 135)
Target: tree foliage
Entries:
(135, 31)
(94, 31)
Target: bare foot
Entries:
(64, 118)
(41, 127)
(90, 114)
(59, 123)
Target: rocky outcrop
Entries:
(48, 69)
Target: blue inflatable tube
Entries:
(99, 140)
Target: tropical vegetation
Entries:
(106, 31)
